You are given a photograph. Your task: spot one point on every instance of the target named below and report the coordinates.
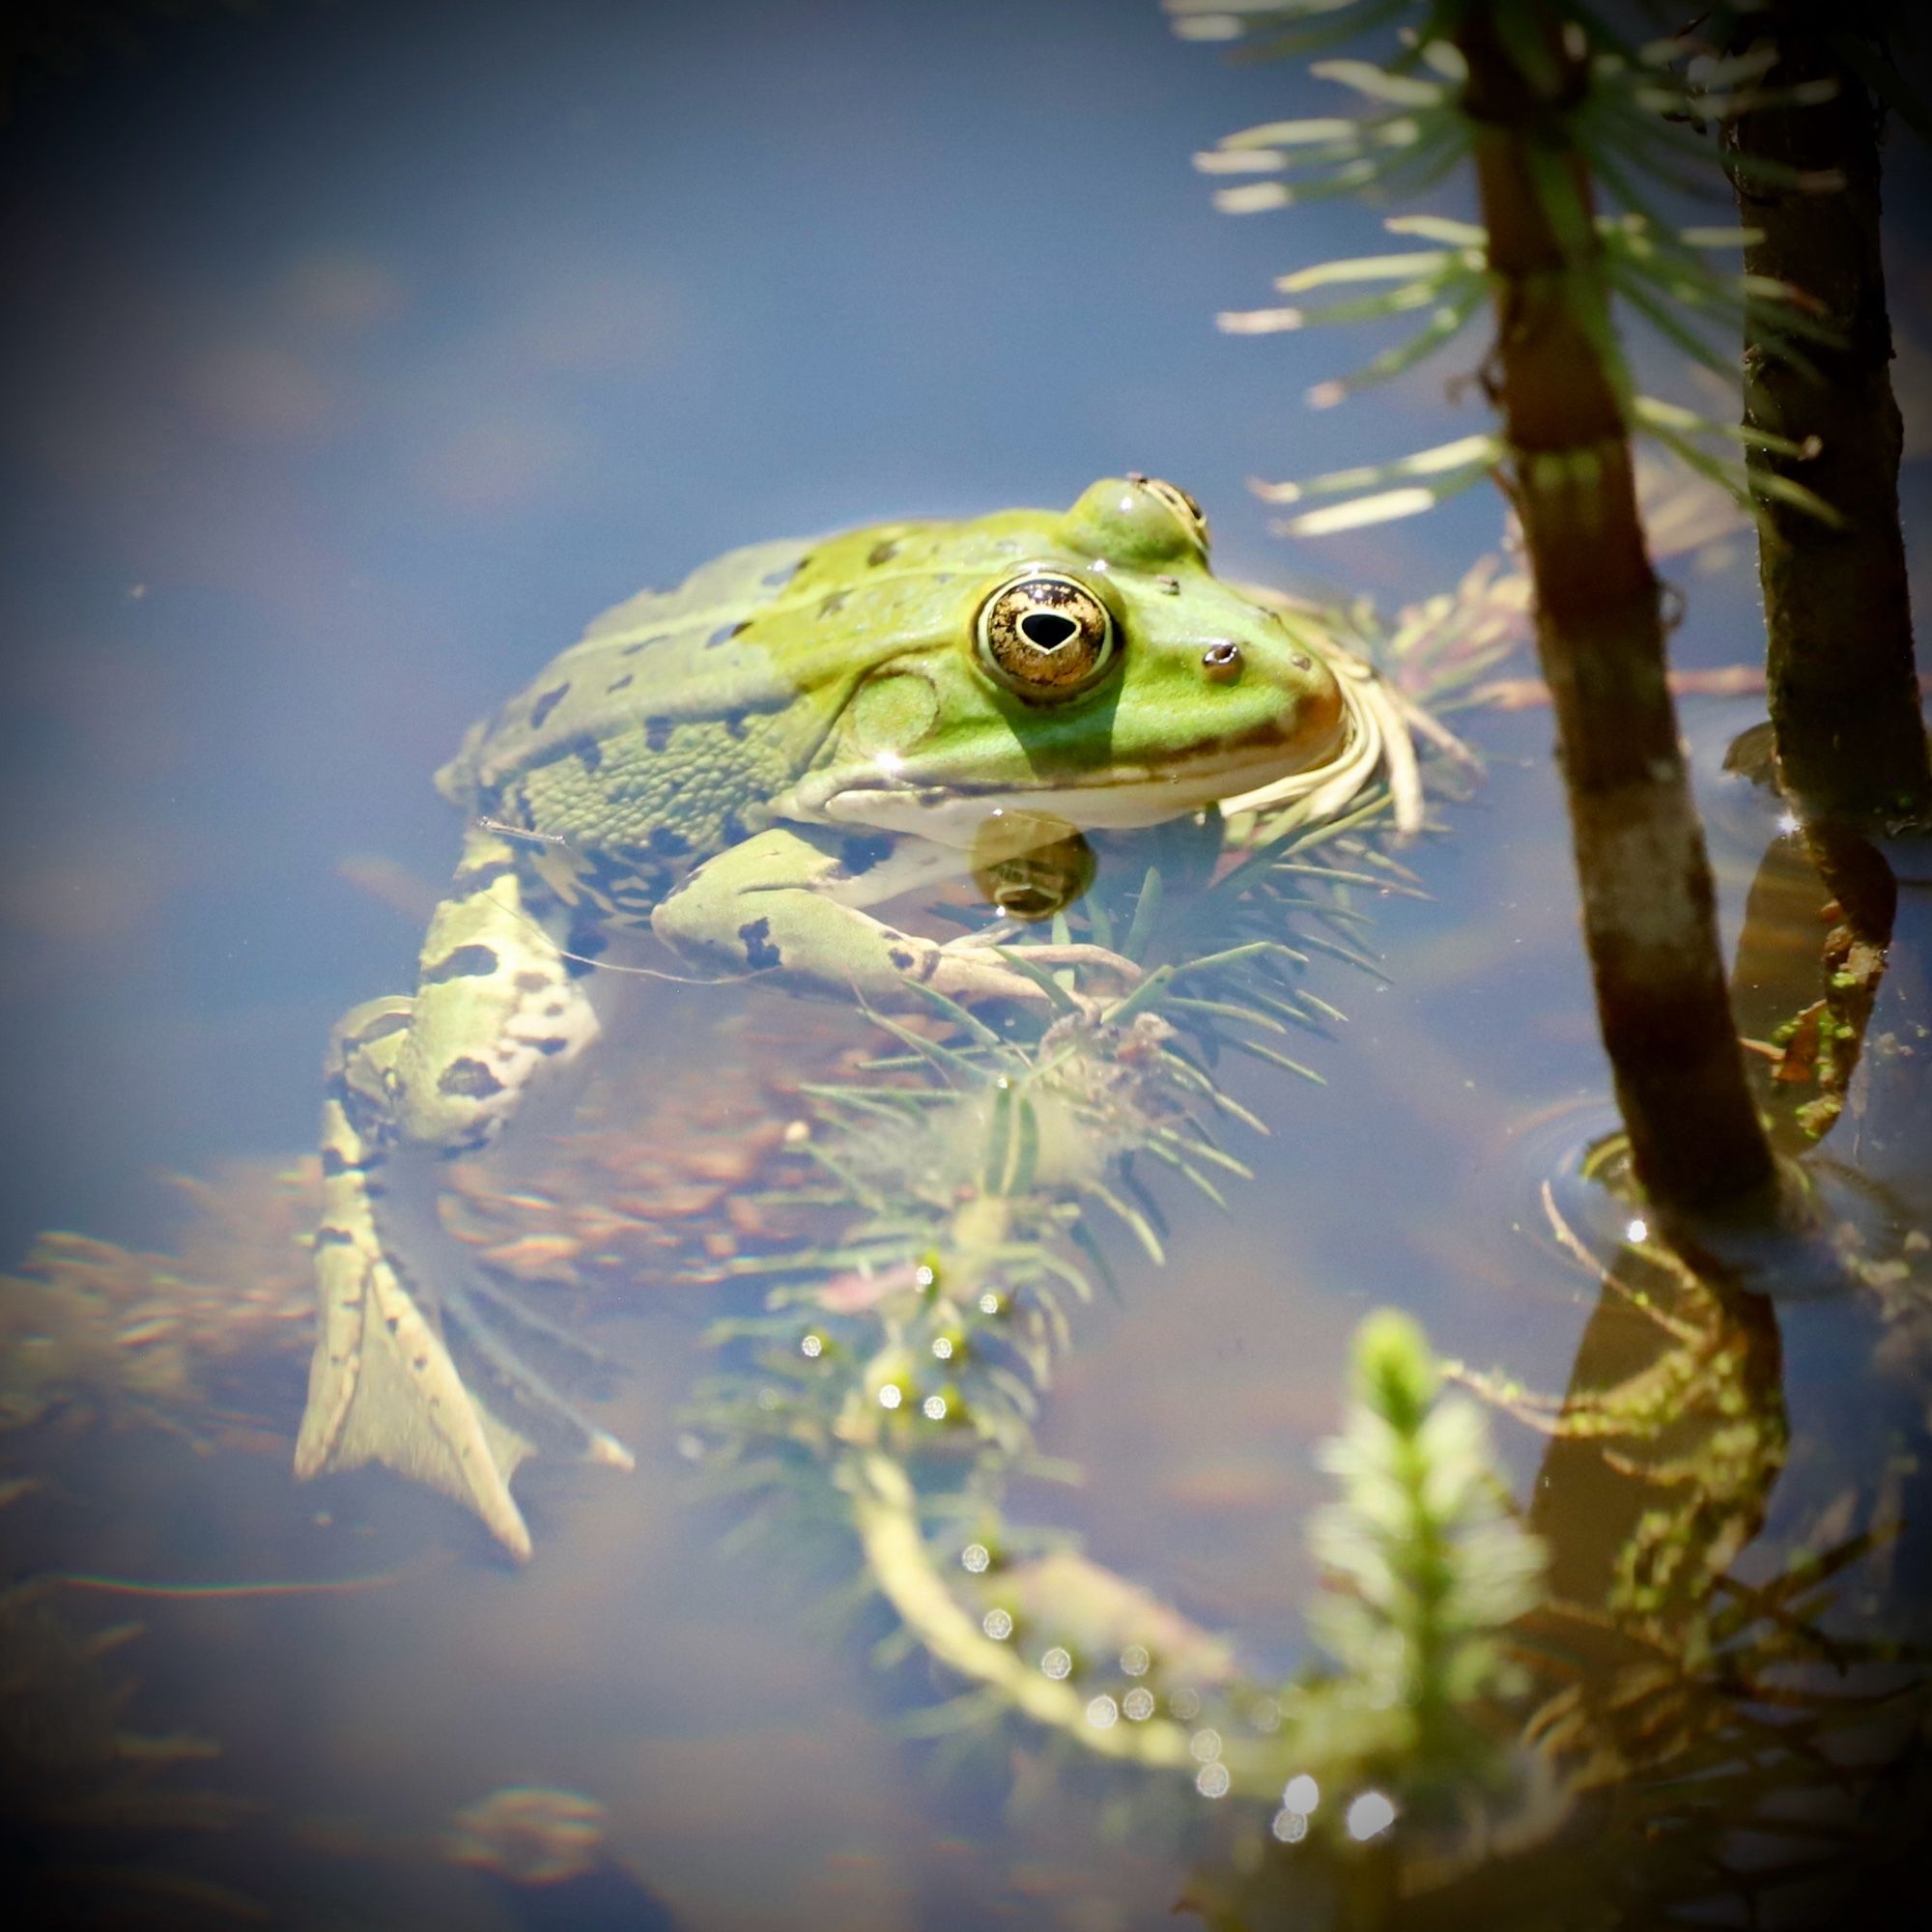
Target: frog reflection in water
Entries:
(744, 766)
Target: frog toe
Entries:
(480, 1311)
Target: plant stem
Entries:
(1649, 917)
(1844, 693)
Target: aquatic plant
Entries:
(1567, 132)
(1844, 694)
(75, 1782)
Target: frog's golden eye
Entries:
(1192, 517)
(1045, 635)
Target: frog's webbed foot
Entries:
(480, 1309)
(404, 1309)
(383, 1386)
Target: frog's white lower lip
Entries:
(953, 814)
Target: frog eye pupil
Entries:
(1047, 629)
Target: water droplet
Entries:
(1368, 1814)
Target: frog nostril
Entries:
(1222, 661)
(1047, 629)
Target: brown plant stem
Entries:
(1844, 694)
(1649, 917)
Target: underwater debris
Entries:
(133, 1336)
(533, 1834)
(665, 1175)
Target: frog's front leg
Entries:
(411, 1083)
(787, 903)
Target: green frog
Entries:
(746, 766)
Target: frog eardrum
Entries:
(1045, 636)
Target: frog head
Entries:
(1088, 667)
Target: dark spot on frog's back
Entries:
(467, 962)
(546, 702)
(612, 690)
(657, 732)
(734, 723)
(724, 632)
(760, 954)
(587, 939)
(666, 842)
(884, 551)
(469, 1079)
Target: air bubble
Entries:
(1212, 1780)
(1103, 1714)
(998, 1625)
(1138, 1703)
(1134, 1659)
(976, 1558)
(1057, 1664)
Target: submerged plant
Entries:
(1569, 132)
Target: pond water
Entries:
(358, 356)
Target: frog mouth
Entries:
(1125, 798)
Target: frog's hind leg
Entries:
(412, 1083)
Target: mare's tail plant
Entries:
(1564, 131)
